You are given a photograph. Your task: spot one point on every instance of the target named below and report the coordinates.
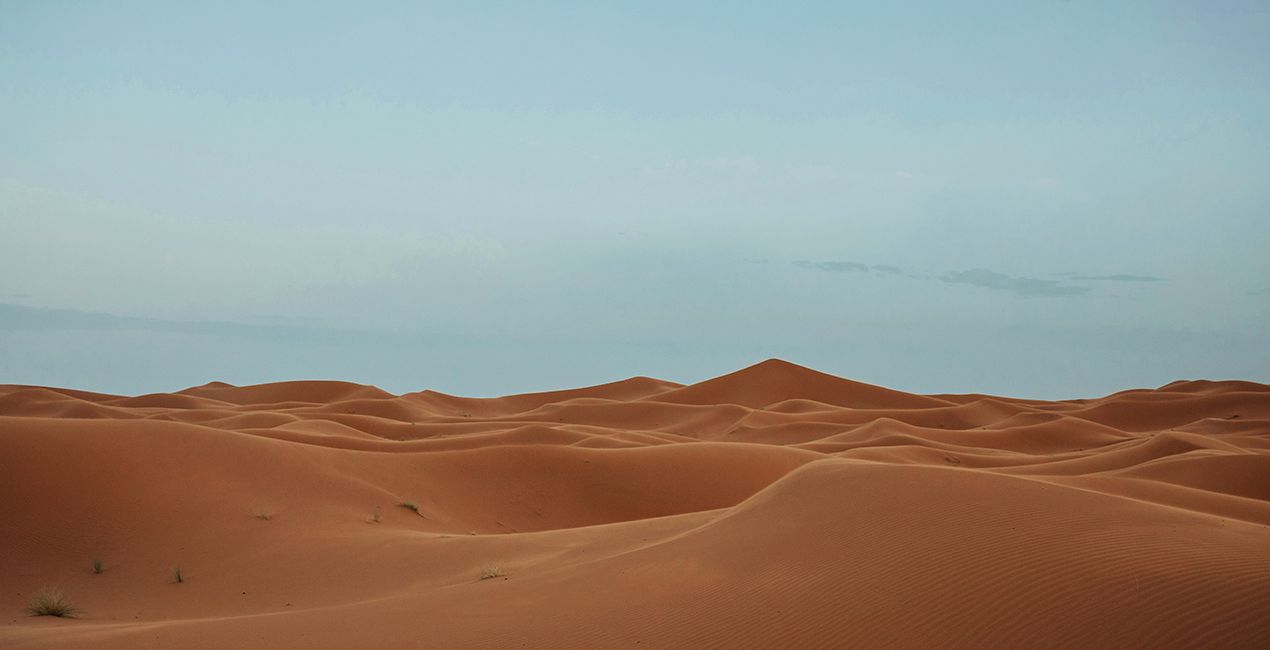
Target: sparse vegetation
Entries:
(492, 572)
(264, 515)
(98, 566)
(51, 602)
(374, 516)
(411, 505)
(177, 576)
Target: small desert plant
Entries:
(374, 516)
(51, 602)
(98, 566)
(177, 576)
(263, 515)
(411, 505)
(492, 572)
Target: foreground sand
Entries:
(773, 507)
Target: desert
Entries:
(589, 325)
(775, 506)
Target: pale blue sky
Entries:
(1050, 199)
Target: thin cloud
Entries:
(1119, 277)
(1029, 287)
(833, 267)
(987, 279)
(22, 318)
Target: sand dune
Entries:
(776, 506)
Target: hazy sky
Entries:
(1049, 199)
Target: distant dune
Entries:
(776, 506)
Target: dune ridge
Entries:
(776, 506)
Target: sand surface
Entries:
(773, 507)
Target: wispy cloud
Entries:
(986, 279)
(23, 318)
(1030, 287)
(1119, 277)
(833, 267)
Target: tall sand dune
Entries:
(773, 507)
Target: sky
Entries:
(1044, 199)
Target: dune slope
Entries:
(776, 506)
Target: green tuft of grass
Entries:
(98, 565)
(492, 572)
(177, 576)
(51, 602)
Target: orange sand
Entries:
(773, 507)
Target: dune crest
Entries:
(775, 506)
(775, 380)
